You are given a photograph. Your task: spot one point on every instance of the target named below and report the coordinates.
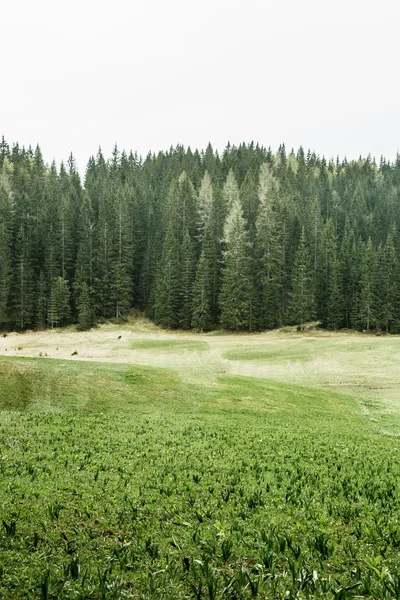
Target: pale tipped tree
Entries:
(201, 308)
(302, 304)
(269, 250)
(234, 299)
(180, 208)
(230, 192)
(204, 204)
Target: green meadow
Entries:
(119, 481)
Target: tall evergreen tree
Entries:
(334, 316)
(85, 311)
(23, 280)
(201, 309)
(234, 297)
(365, 314)
(269, 250)
(167, 283)
(187, 275)
(204, 204)
(6, 224)
(302, 305)
(121, 282)
(388, 288)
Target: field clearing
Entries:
(359, 364)
(168, 470)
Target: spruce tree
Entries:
(41, 302)
(234, 297)
(387, 284)
(85, 311)
(302, 305)
(59, 310)
(204, 204)
(201, 308)
(230, 192)
(6, 223)
(334, 318)
(187, 275)
(167, 290)
(365, 313)
(269, 251)
(121, 284)
(23, 287)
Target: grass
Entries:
(168, 345)
(125, 482)
(274, 352)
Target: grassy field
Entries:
(123, 480)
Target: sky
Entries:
(148, 74)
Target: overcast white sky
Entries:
(150, 74)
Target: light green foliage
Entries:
(121, 481)
(204, 203)
(269, 250)
(235, 285)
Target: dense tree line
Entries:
(249, 239)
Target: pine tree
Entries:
(388, 284)
(212, 247)
(365, 315)
(204, 204)
(326, 258)
(230, 192)
(85, 311)
(187, 275)
(301, 305)
(201, 308)
(41, 302)
(58, 308)
(85, 262)
(6, 223)
(334, 318)
(168, 287)
(121, 284)
(234, 297)
(269, 250)
(23, 281)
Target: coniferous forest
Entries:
(245, 240)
